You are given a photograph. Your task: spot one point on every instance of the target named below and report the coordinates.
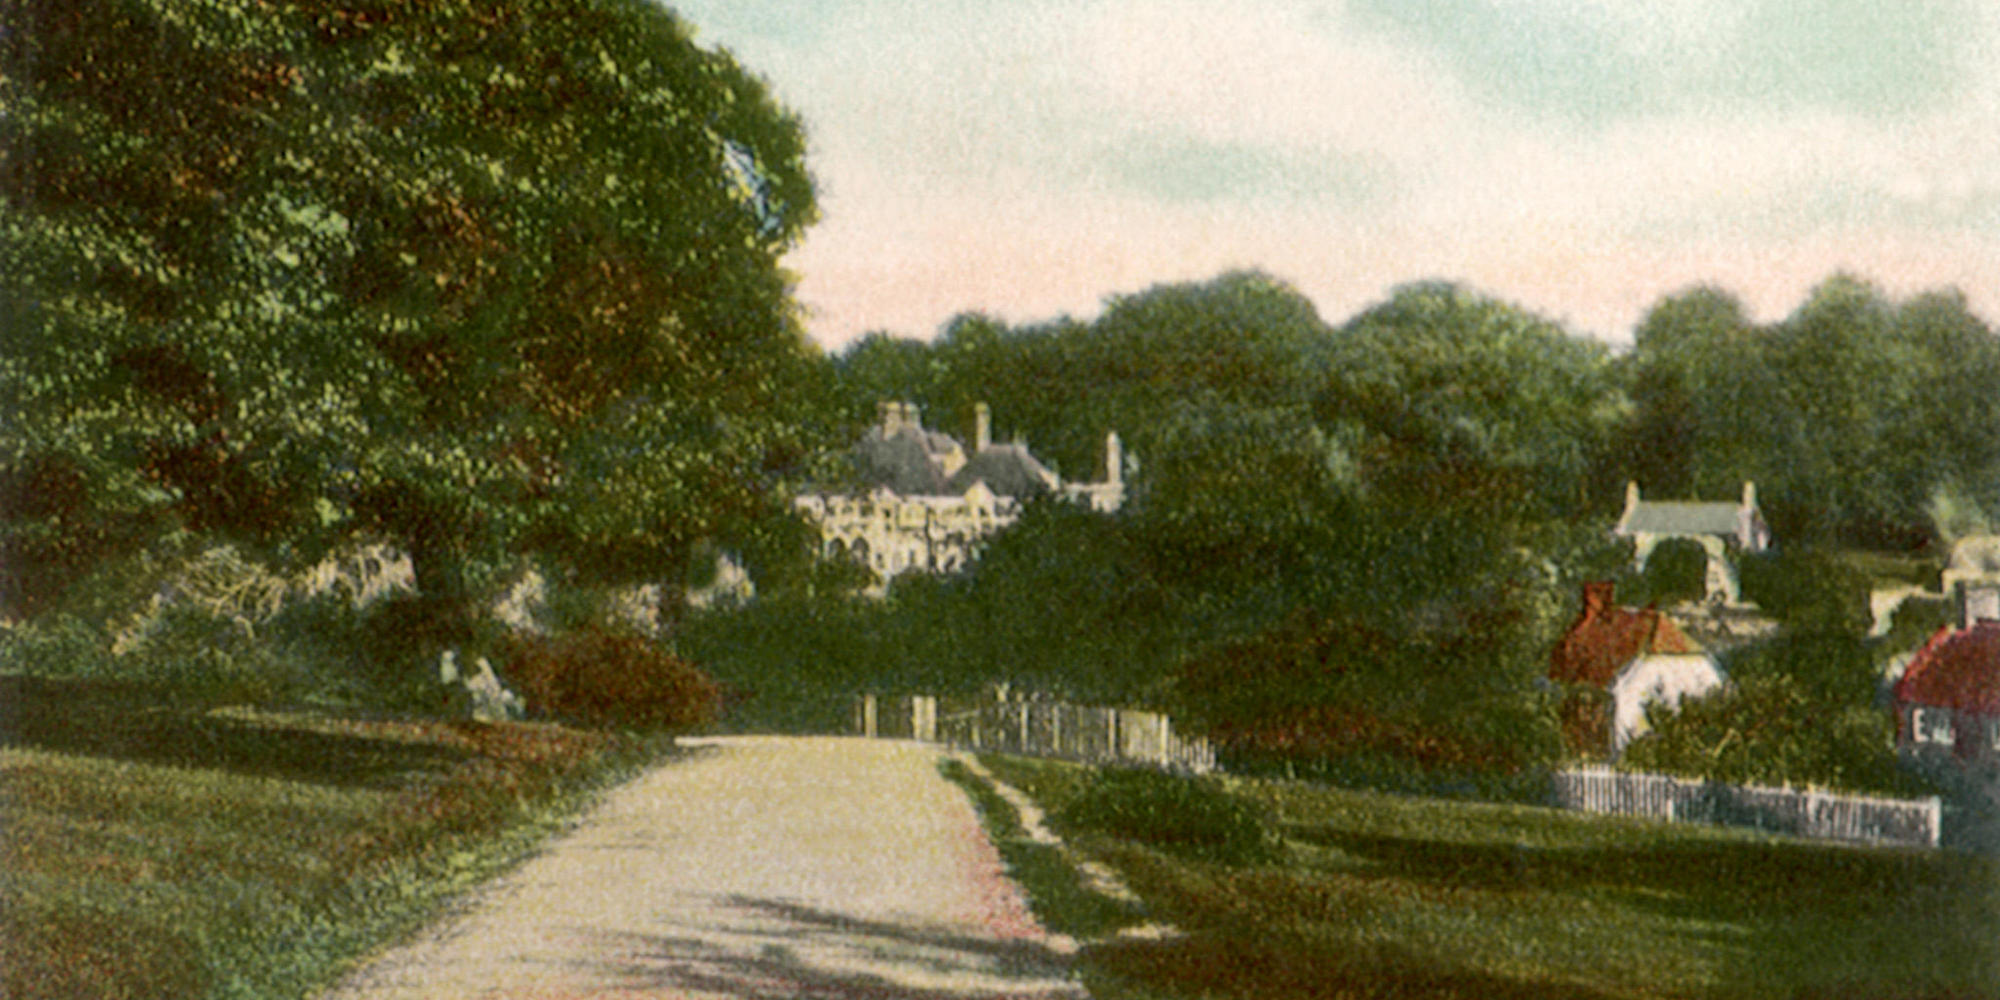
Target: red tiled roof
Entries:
(1604, 638)
(1957, 669)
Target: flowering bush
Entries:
(602, 678)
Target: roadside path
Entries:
(759, 869)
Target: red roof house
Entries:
(1949, 696)
(1636, 657)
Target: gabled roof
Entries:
(901, 461)
(1009, 470)
(1605, 638)
(1677, 517)
(1957, 669)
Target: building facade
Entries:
(925, 503)
(1722, 529)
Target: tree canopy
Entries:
(491, 281)
(1856, 414)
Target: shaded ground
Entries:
(154, 845)
(763, 868)
(146, 725)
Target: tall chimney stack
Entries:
(982, 427)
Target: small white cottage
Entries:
(1637, 657)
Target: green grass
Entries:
(1893, 569)
(159, 849)
(1381, 896)
(1058, 897)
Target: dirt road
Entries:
(762, 868)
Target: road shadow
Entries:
(145, 725)
(765, 949)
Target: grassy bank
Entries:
(160, 849)
(1382, 896)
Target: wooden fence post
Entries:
(864, 716)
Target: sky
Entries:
(1581, 158)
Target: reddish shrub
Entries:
(597, 678)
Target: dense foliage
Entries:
(1804, 707)
(1676, 571)
(1385, 483)
(603, 678)
(1349, 547)
(489, 282)
(1196, 817)
(1857, 416)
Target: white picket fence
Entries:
(1038, 728)
(1800, 813)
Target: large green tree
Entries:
(1855, 414)
(490, 280)
(1691, 355)
(1475, 404)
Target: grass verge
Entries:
(1056, 894)
(1384, 896)
(154, 849)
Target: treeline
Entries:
(1865, 420)
(1350, 547)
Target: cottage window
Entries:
(1931, 725)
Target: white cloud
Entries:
(1267, 73)
(973, 158)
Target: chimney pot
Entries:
(1597, 597)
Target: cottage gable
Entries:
(1618, 661)
(1948, 698)
(1720, 528)
(1604, 638)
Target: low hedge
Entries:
(1195, 817)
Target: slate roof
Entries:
(903, 461)
(1957, 669)
(1604, 638)
(1009, 470)
(1677, 517)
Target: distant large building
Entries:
(923, 503)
